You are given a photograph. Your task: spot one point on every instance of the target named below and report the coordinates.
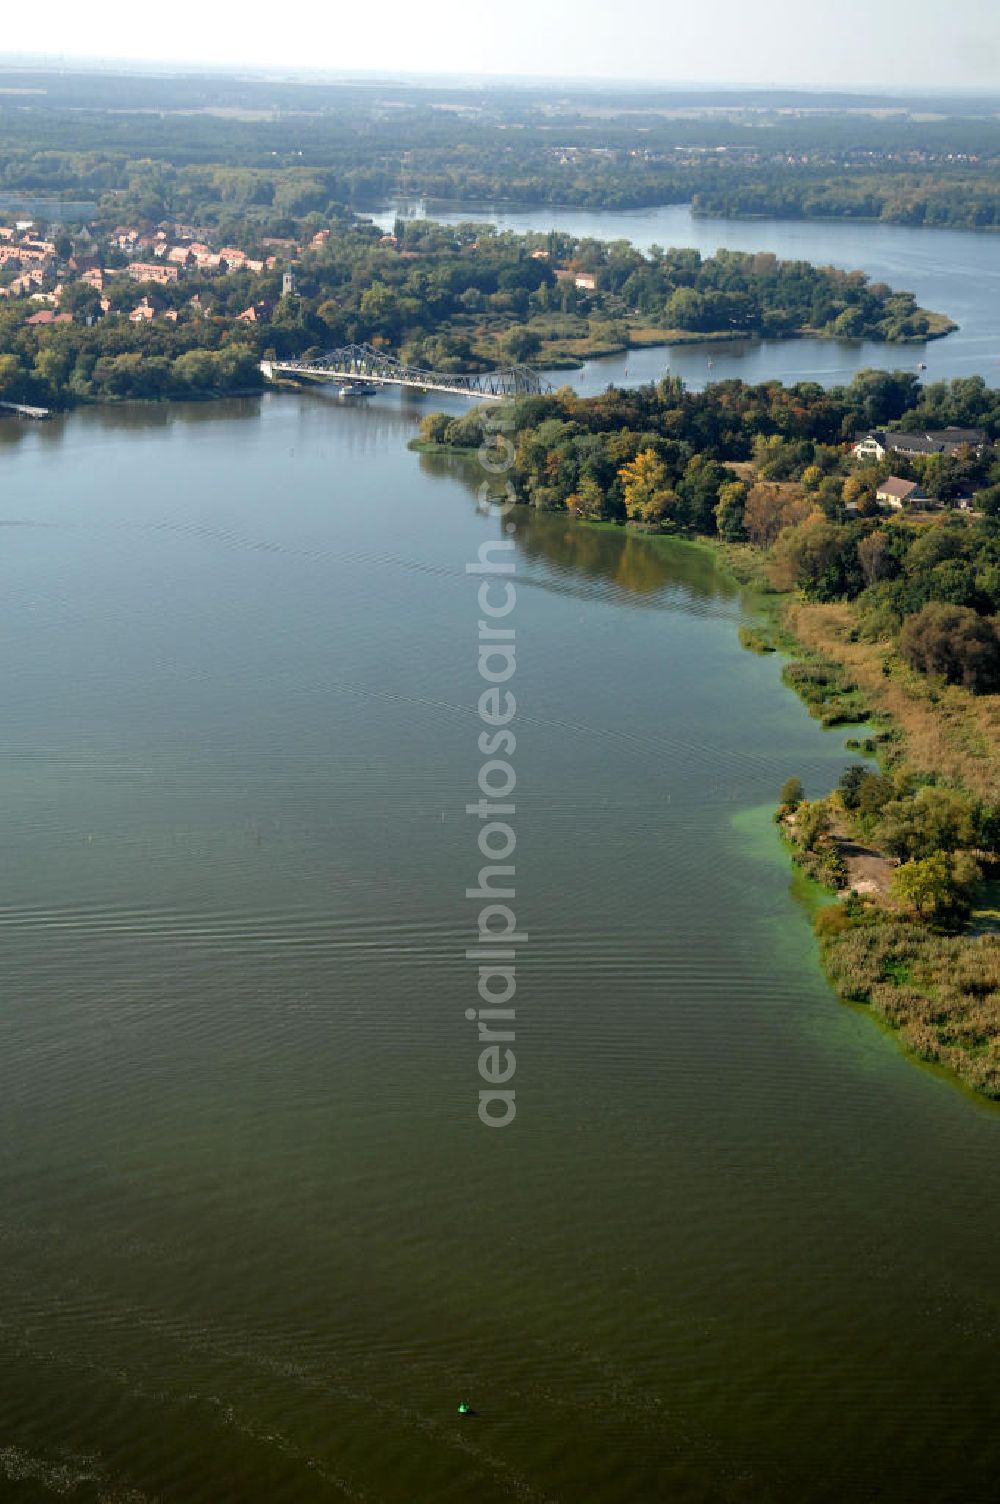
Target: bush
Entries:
(941, 992)
(956, 643)
(792, 793)
(835, 919)
(851, 782)
(937, 888)
(934, 820)
(755, 640)
(812, 825)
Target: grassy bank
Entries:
(933, 978)
(944, 730)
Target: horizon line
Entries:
(303, 73)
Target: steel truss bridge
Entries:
(365, 364)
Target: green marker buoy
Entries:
(464, 1409)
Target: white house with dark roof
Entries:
(878, 442)
(897, 493)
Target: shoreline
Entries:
(920, 983)
(518, 206)
(928, 985)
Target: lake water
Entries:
(255, 1245)
(951, 271)
(56, 210)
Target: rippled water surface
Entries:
(254, 1243)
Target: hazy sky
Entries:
(897, 43)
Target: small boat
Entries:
(356, 389)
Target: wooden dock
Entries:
(23, 410)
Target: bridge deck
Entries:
(365, 363)
(24, 410)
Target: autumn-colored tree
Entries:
(769, 509)
(646, 488)
(588, 498)
(876, 557)
(861, 486)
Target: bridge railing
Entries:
(366, 363)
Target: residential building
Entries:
(877, 443)
(46, 316)
(257, 313)
(153, 271)
(897, 493)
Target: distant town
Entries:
(37, 267)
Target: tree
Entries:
(729, 511)
(646, 488)
(956, 643)
(851, 781)
(195, 369)
(937, 887)
(792, 793)
(434, 427)
(819, 557)
(588, 498)
(379, 309)
(53, 366)
(699, 489)
(81, 300)
(521, 344)
(11, 376)
(850, 324)
(860, 488)
(875, 557)
(812, 824)
(936, 819)
(466, 432)
(769, 509)
(988, 501)
(685, 310)
(924, 885)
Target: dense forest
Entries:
(966, 199)
(207, 147)
(663, 455)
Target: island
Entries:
(109, 310)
